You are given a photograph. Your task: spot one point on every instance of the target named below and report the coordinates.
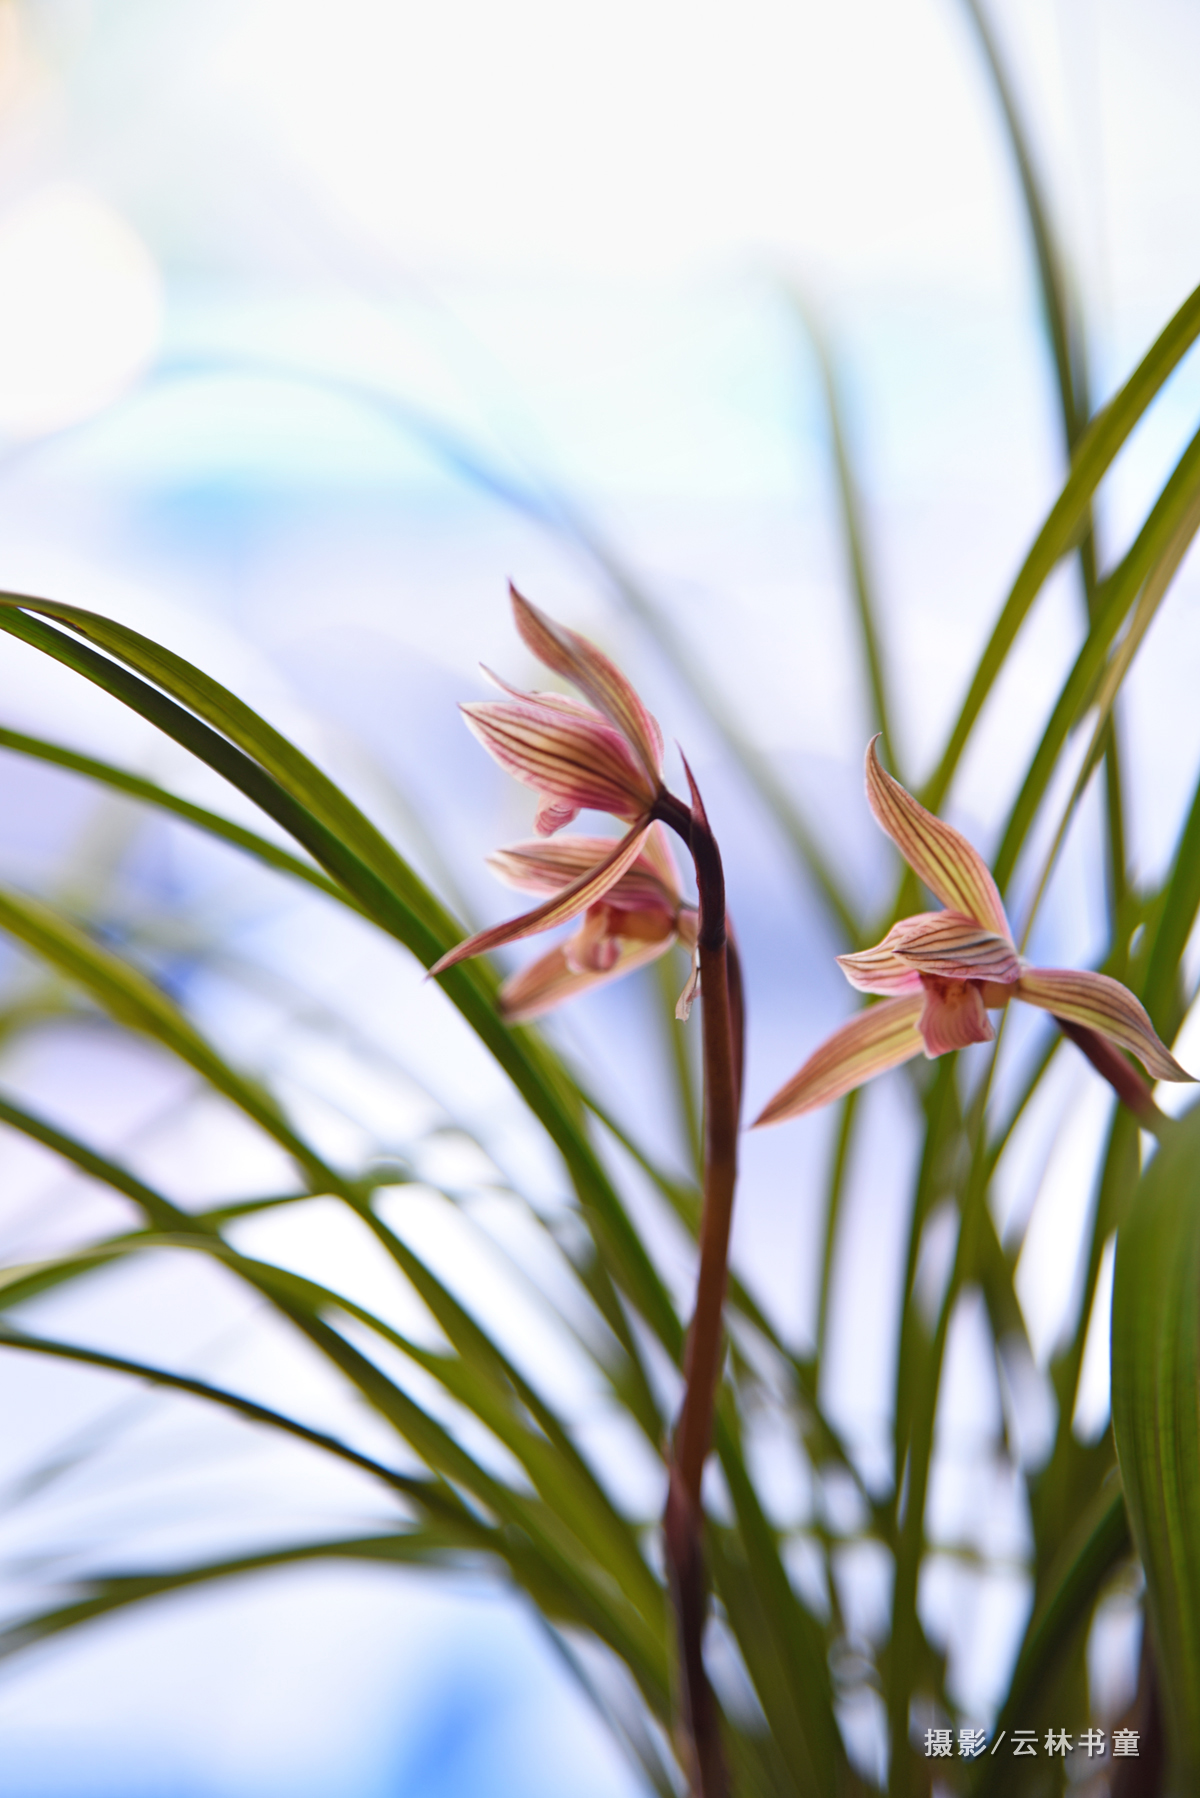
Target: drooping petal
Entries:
(954, 1016)
(546, 865)
(938, 854)
(1105, 1005)
(549, 980)
(575, 761)
(880, 969)
(568, 902)
(879, 1038)
(587, 668)
(955, 947)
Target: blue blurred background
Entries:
(319, 323)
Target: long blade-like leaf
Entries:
(1156, 1420)
(134, 1000)
(149, 793)
(1094, 455)
(300, 798)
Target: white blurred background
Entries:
(319, 323)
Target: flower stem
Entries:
(722, 1007)
(702, 1364)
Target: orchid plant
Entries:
(721, 1634)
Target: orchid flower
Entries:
(941, 972)
(605, 755)
(637, 919)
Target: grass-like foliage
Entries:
(486, 1467)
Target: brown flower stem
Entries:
(702, 1362)
(701, 1746)
(722, 1007)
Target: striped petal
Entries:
(567, 903)
(575, 760)
(1104, 1005)
(546, 865)
(551, 979)
(877, 1039)
(580, 662)
(955, 947)
(881, 970)
(938, 855)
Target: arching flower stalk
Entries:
(604, 752)
(940, 973)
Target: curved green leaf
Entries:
(421, 1545)
(134, 1000)
(1149, 565)
(287, 786)
(1094, 455)
(1156, 1420)
(1098, 1542)
(430, 1495)
(149, 793)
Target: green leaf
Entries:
(420, 1546)
(853, 533)
(286, 785)
(1098, 1543)
(148, 793)
(1064, 340)
(1068, 517)
(1171, 926)
(134, 1000)
(780, 1641)
(1149, 566)
(429, 1494)
(1156, 1420)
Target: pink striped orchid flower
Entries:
(603, 753)
(941, 972)
(637, 919)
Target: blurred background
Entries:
(318, 324)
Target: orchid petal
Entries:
(551, 979)
(546, 865)
(577, 762)
(880, 969)
(954, 1016)
(879, 1038)
(955, 948)
(567, 903)
(943, 943)
(1102, 1004)
(580, 662)
(938, 855)
(566, 703)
